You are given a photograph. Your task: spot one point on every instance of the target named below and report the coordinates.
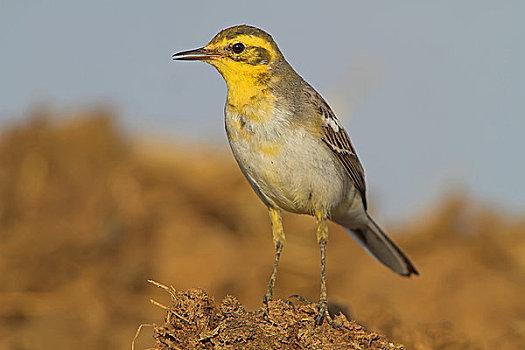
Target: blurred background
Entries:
(114, 167)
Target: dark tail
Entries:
(377, 243)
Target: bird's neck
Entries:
(249, 93)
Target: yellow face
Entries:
(244, 61)
(241, 53)
(244, 56)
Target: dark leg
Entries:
(278, 240)
(322, 238)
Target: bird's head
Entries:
(242, 54)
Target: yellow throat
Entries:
(245, 56)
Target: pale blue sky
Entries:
(432, 93)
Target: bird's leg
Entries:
(278, 240)
(322, 238)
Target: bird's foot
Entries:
(299, 298)
(324, 314)
(266, 299)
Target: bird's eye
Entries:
(238, 48)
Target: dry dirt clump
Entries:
(194, 321)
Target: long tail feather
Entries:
(377, 243)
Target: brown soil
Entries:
(193, 321)
(88, 216)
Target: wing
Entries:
(338, 141)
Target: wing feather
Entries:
(338, 141)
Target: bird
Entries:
(292, 149)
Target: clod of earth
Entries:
(195, 321)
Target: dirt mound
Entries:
(193, 321)
(87, 216)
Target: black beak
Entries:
(200, 54)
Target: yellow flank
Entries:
(273, 179)
(238, 130)
(270, 149)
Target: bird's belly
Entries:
(293, 172)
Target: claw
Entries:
(266, 300)
(324, 314)
(300, 298)
(289, 303)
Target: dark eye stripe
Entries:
(253, 55)
(260, 56)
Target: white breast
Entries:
(287, 167)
